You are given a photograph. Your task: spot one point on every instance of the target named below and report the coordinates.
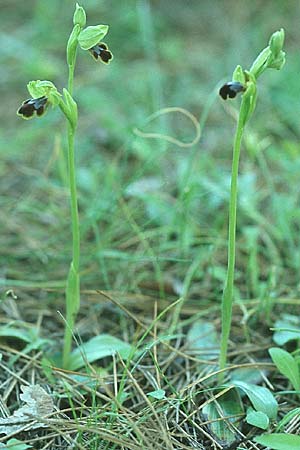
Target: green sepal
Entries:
(79, 16)
(45, 88)
(239, 75)
(248, 102)
(277, 63)
(72, 44)
(91, 36)
(260, 63)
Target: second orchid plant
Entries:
(44, 93)
(245, 82)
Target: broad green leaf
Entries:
(279, 441)
(261, 398)
(286, 365)
(284, 335)
(23, 335)
(257, 419)
(228, 405)
(23, 332)
(96, 348)
(159, 394)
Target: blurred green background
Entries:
(153, 215)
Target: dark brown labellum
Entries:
(101, 51)
(231, 89)
(31, 106)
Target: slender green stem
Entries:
(227, 298)
(72, 179)
(71, 76)
(73, 199)
(73, 282)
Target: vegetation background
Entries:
(145, 202)
(153, 215)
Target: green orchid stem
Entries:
(227, 298)
(71, 76)
(73, 282)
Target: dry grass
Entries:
(105, 405)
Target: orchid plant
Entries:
(244, 82)
(43, 94)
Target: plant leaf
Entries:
(18, 333)
(257, 419)
(248, 375)
(227, 405)
(15, 444)
(261, 398)
(202, 340)
(287, 329)
(287, 418)
(279, 441)
(38, 403)
(96, 348)
(159, 394)
(286, 365)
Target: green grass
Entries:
(153, 216)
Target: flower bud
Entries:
(79, 16)
(72, 44)
(276, 42)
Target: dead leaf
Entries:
(38, 404)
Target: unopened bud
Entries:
(79, 16)
(276, 42)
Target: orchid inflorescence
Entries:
(90, 39)
(244, 81)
